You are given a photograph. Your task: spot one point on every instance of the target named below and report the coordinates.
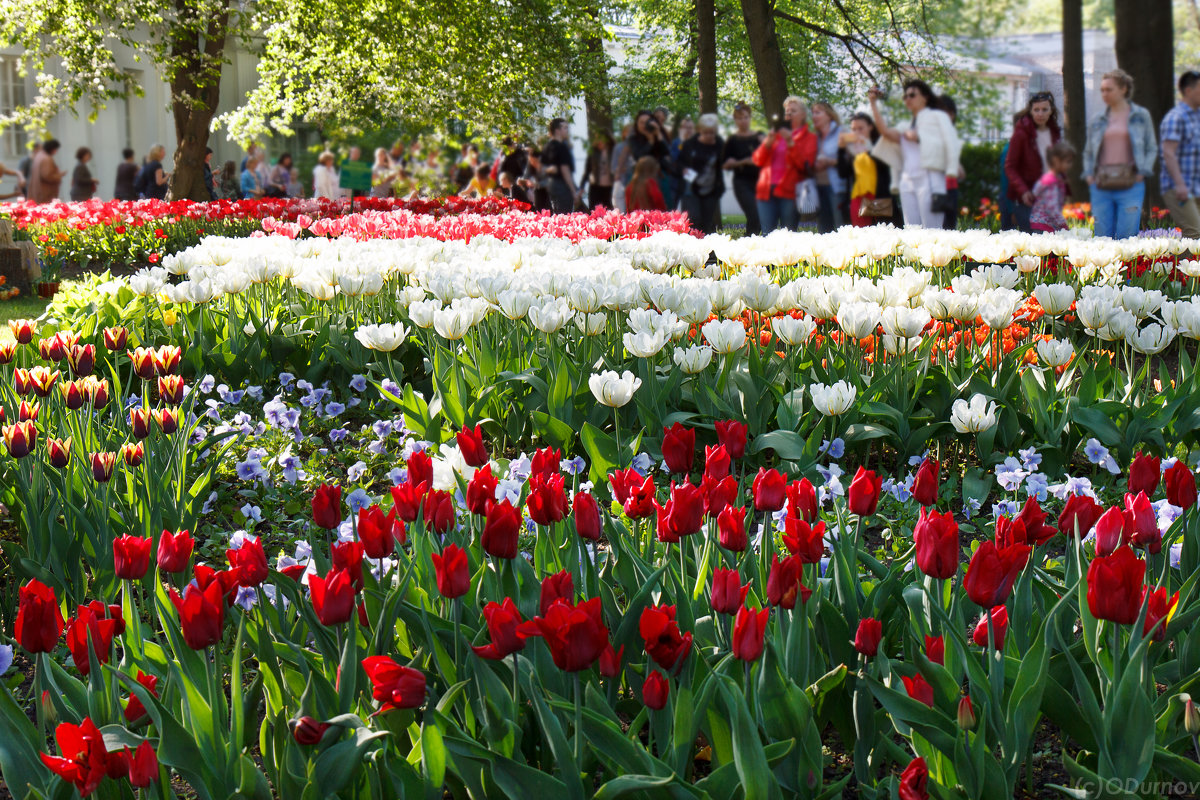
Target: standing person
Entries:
(1035, 130)
(1119, 155)
(280, 175)
(955, 174)
(209, 183)
(25, 167)
(829, 184)
(83, 185)
(558, 162)
(622, 168)
(228, 186)
(515, 159)
(671, 181)
(784, 159)
(1050, 191)
(643, 193)
(649, 138)
(739, 159)
(45, 176)
(599, 172)
(534, 182)
(325, 177)
(870, 178)
(467, 164)
(922, 150)
(152, 179)
(127, 172)
(250, 185)
(1180, 133)
(703, 178)
(383, 174)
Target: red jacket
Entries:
(1023, 166)
(657, 203)
(801, 156)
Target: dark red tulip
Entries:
(783, 582)
(1034, 519)
(1159, 607)
(39, 618)
(1111, 531)
(802, 500)
(621, 481)
(587, 516)
(728, 594)
(546, 462)
(547, 501)
(683, 515)
(249, 562)
(863, 495)
(655, 691)
(770, 489)
(868, 635)
(919, 689)
(407, 499)
(481, 491)
(58, 452)
(1181, 486)
(420, 469)
(640, 502)
(716, 462)
(914, 779)
(131, 556)
(226, 579)
(1114, 586)
(749, 629)
(936, 539)
(610, 661)
(731, 528)
(84, 756)
(395, 686)
(470, 444)
(805, 541)
(90, 628)
(174, 551)
(1144, 474)
(201, 614)
(170, 389)
(166, 359)
(1079, 515)
(925, 484)
(451, 571)
(679, 448)
(134, 710)
(139, 422)
(348, 555)
(576, 635)
(82, 359)
(502, 620)
(993, 571)
(1010, 531)
(327, 506)
(115, 338)
(664, 642)
(935, 649)
(999, 616)
(501, 530)
(308, 731)
(732, 434)
(376, 531)
(558, 586)
(1143, 521)
(718, 495)
(438, 511)
(332, 597)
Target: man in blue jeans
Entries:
(1180, 135)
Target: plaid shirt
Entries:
(1182, 125)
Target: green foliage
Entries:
(982, 168)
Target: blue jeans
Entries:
(778, 212)
(1118, 214)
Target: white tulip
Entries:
(1055, 352)
(452, 323)
(694, 359)
(551, 316)
(793, 331)
(613, 390)
(515, 304)
(644, 344)
(1054, 298)
(421, 312)
(725, 336)
(1151, 339)
(900, 345)
(591, 324)
(859, 320)
(904, 323)
(974, 416)
(832, 400)
(1027, 264)
(385, 337)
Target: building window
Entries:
(12, 95)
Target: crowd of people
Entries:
(812, 168)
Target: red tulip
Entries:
(502, 619)
(170, 389)
(84, 759)
(8, 351)
(407, 499)
(805, 541)
(327, 506)
(728, 594)
(1010, 531)
(131, 556)
(201, 614)
(749, 629)
(1114, 586)
(769, 489)
(718, 495)
(82, 359)
(919, 689)
(115, 338)
(90, 628)
(558, 586)
(481, 491)
(166, 359)
(51, 349)
(132, 454)
(1181, 486)
(1159, 608)
(438, 511)
(547, 502)
(576, 635)
(420, 469)
(450, 569)
(75, 394)
(249, 562)
(925, 484)
(914, 780)
(935, 649)
(134, 710)
(802, 500)
(783, 582)
(1079, 515)
(348, 555)
(610, 661)
(587, 516)
(731, 529)
(937, 548)
(999, 616)
(1144, 474)
(308, 731)
(1034, 519)
(332, 597)
(655, 690)
(394, 685)
(863, 495)
(226, 579)
(139, 422)
(716, 463)
(622, 481)
(683, 515)
(378, 531)
(1145, 533)
(58, 452)
(27, 411)
(470, 444)
(1111, 532)
(732, 434)
(993, 571)
(20, 438)
(966, 714)
(174, 551)
(501, 530)
(143, 765)
(866, 638)
(679, 448)
(22, 330)
(640, 502)
(664, 643)
(39, 618)
(546, 462)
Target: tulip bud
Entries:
(308, 731)
(82, 358)
(166, 359)
(8, 351)
(142, 359)
(132, 454)
(20, 438)
(170, 389)
(966, 714)
(115, 338)
(22, 382)
(58, 452)
(74, 393)
(1191, 718)
(97, 391)
(139, 422)
(22, 330)
(167, 419)
(28, 411)
(103, 465)
(42, 380)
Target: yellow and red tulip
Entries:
(102, 466)
(19, 438)
(58, 452)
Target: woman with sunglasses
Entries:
(922, 152)
(1035, 132)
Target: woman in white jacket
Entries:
(325, 177)
(921, 152)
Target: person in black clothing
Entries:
(208, 174)
(152, 181)
(739, 159)
(127, 172)
(534, 183)
(515, 159)
(702, 174)
(599, 173)
(558, 163)
(649, 138)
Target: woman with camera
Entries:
(784, 158)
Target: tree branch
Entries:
(849, 41)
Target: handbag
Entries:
(942, 203)
(806, 196)
(876, 207)
(1115, 177)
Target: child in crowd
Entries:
(1050, 192)
(481, 185)
(642, 193)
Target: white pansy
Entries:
(694, 359)
(725, 336)
(973, 416)
(832, 400)
(613, 390)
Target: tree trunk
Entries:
(597, 97)
(195, 92)
(706, 29)
(1073, 89)
(768, 61)
(1145, 32)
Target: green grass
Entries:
(27, 306)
